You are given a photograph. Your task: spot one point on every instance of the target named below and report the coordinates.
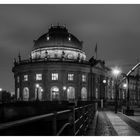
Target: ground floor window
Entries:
(18, 95)
(38, 93)
(84, 94)
(70, 93)
(25, 94)
(55, 93)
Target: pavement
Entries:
(111, 124)
(121, 127)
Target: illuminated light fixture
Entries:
(104, 81)
(124, 85)
(64, 87)
(69, 38)
(0, 89)
(37, 85)
(116, 71)
(41, 89)
(48, 38)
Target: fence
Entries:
(69, 122)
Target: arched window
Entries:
(25, 94)
(54, 93)
(38, 93)
(84, 94)
(18, 94)
(71, 93)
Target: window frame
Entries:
(38, 75)
(54, 76)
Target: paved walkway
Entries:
(121, 127)
(111, 124)
(104, 127)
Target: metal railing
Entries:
(78, 120)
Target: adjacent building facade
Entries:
(57, 69)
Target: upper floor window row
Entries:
(54, 76)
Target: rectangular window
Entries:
(54, 76)
(70, 77)
(18, 79)
(83, 78)
(38, 76)
(25, 77)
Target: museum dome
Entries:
(58, 43)
(57, 36)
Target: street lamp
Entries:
(116, 73)
(37, 86)
(64, 88)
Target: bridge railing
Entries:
(73, 121)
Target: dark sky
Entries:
(116, 29)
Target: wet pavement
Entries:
(104, 127)
(111, 124)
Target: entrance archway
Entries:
(54, 93)
(70, 93)
(84, 94)
(38, 93)
(25, 94)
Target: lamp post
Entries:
(116, 72)
(37, 86)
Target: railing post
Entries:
(54, 124)
(72, 120)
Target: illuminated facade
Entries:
(57, 69)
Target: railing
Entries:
(49, 60)
(77, 121)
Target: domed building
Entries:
(57, 69)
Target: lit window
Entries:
(83, 78)
(25, 77)
(70, 77)
(38, 76)
(54, 76)
(18, 79)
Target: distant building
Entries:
(5, 96)
(57, 69)
(134, 90)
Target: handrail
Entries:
(64, 111)
(18, 122)
(62, 128)
(82, 122)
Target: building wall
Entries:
(63, 69)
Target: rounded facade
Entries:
(56, 70)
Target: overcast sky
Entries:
(116, 29)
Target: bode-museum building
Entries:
(57, 69)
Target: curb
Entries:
(95, 122)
